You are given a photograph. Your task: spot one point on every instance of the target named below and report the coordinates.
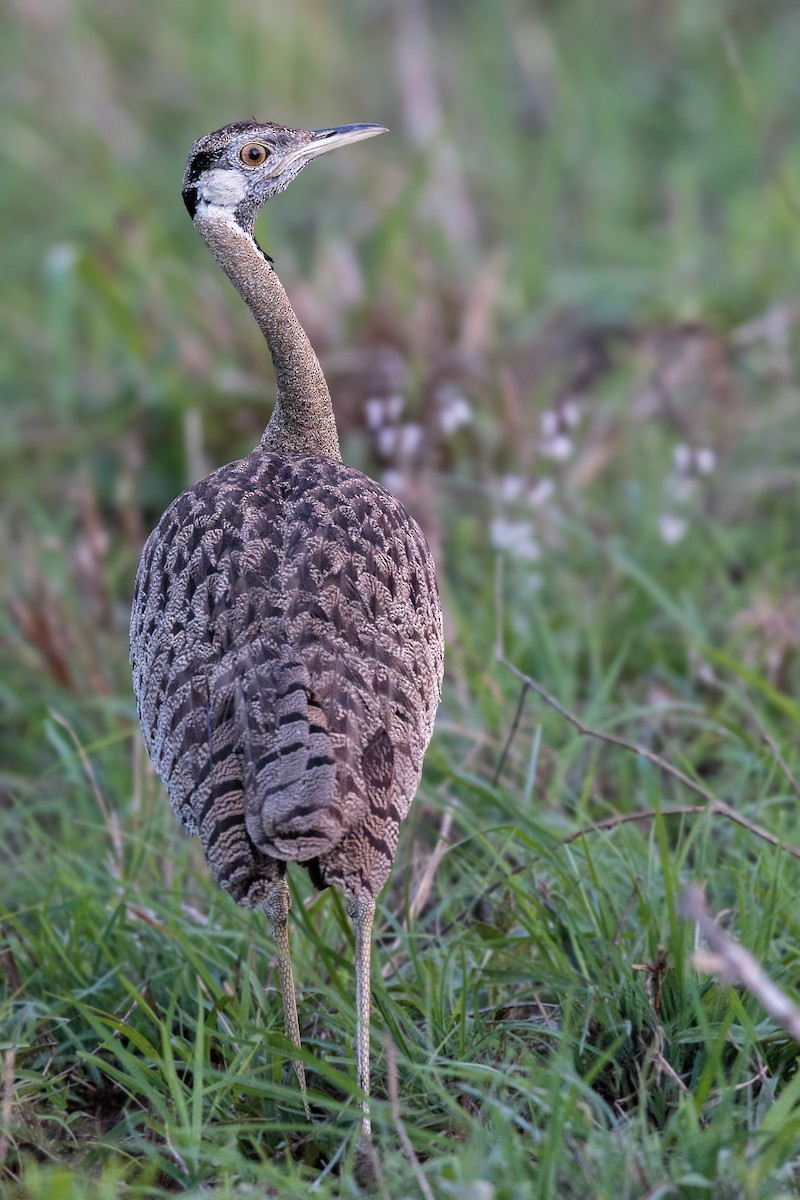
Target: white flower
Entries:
(387, 440)
(394, 406)
(516, 537)
(374, 412)
(549, 423)
(454, 409)
(705, 460)
(571, 413)
(409, 439)
(541, 492)
(671, 528)
(558, 447)
(394, 480)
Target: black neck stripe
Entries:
(200, 163)
(190, 200)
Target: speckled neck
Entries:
(302, 421)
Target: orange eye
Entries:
(254, 154)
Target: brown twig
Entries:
(512, 1005)
(8, 1103)
(402, 1132)
(713, 803)
(659, 1061)
(511, 735)
(425, 885)
(650, 814)
(761, 1076)
(731, 963)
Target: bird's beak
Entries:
(323, 140)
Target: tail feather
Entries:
(289, 765)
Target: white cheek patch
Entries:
(223, 188)
(215, 212)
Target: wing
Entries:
(286, 651)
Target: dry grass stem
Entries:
(8, 1102)
(648, 814)
(425, 885)
(732, 964)
(511, 735)
(662, 1066)
(713, 803)
(402, 1133)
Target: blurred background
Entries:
(557, 306)
(563, 289)
(558, 309)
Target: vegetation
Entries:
(558, 311)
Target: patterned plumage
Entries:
(286, 633)
(286, 639)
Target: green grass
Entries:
(632, 180)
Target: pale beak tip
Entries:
(323, 140)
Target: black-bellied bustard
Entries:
(286, 633)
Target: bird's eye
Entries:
(254, 154)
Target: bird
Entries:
(286, 639)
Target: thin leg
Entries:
(276, 906)
(362, 909)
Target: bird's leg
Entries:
(276, 906)
(362, 910)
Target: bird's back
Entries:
(286, 646)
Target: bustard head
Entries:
(237, 169)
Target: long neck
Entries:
(302, 421)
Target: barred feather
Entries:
(286, 647)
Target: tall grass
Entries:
(582, 237)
